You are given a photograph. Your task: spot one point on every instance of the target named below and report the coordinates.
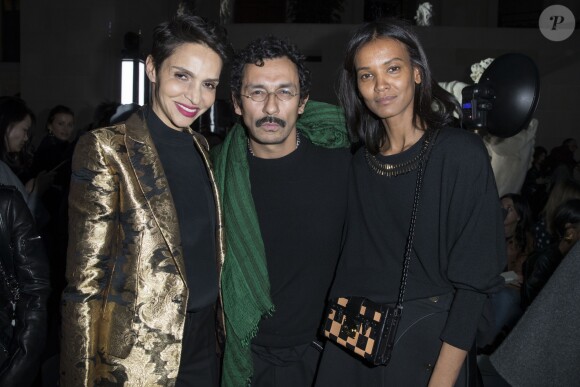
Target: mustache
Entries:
(270, 120)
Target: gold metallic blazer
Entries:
(124, 306)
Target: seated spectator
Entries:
(504, 308)
(15, 122)
(561, 161)
(54, 154)
(517, 228)
(542, 265)
(560, 193)
(535, 188)
(24, 288)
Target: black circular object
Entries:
(514, 82)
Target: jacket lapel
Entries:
(153, 183)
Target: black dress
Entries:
(458, 254)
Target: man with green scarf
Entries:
(282, 173)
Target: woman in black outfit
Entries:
(24, 289)
(401, 117)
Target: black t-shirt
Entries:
(300, 200)
(195, 206)
(459, 243)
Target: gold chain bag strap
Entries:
(362, 326)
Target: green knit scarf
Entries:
(245, 283)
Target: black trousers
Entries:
(416, 350)
(285, 367)
(199, 360)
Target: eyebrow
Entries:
(183, 70)
(384, 63)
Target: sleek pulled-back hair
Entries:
(433, 106)
(268, 47)
(183, 29)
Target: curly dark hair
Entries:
(263, 48)
(433, 106)
(183, 29)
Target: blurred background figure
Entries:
(16, 120)
(24, 289)
(542, 229)
(539, 267)
(53, 157)
(536, 184)
(517, 228)
(562, 161)
(504, 305)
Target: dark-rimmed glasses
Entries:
(260, 95)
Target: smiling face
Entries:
(185, 84)
(386, 80)
(62, 126)
(17, 135)
(272, 123)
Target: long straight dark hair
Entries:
(433, 106)
(524, 226)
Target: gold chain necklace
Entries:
(391, 170)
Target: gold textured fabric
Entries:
(125, 303)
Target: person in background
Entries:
(16, 120)
(540, 267)
(561, 161)
(284, 194)
(401, 116)
(505, 304)
(542, 229)
(535, 187)
(518, 232)
(24, 289)
(142, 305)
(54, 156)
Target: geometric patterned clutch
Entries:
(364, 327)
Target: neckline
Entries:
(403, 162)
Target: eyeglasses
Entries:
(260, 95)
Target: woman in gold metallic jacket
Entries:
(142, 304)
